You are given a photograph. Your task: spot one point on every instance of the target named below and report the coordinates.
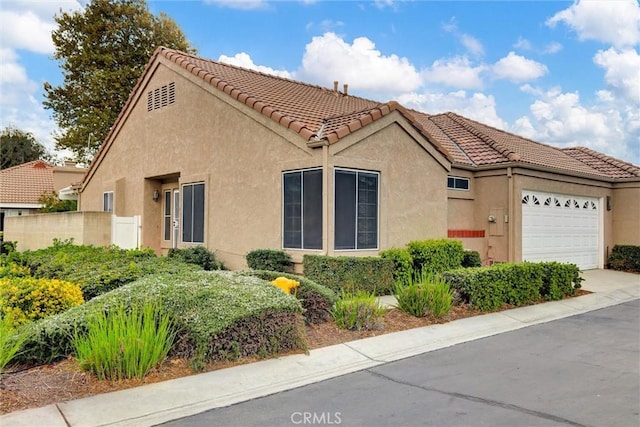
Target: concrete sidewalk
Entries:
(156, 403)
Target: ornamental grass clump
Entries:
(10, 341)
(125, 343)
(425, 294)
(358, 311)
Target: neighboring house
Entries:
(233, 159)
(21, 186)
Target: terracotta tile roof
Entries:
(321, 115)
(25, 183)
(608, 165)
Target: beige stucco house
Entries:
(212, 154)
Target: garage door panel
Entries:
(560, 228)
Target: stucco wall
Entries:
(38, 231)
(625, 208)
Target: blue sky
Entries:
(561, 72)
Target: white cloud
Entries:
(622, 72)
(13, 34)
(328, 58)
(240, 4)
(517, 68)
(478, 106)
(472, 44)
(455, 72)
(560, 119)
(243, 59)
(613, 22)
(553, 47)
(523, 44)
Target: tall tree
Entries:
(18, 147)
(102, 51)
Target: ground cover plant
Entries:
(255, 318)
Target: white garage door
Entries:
(560, 228)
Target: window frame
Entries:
(336, 170)
(302, 239)
(458, 179)
(108, 200)
(184, 217)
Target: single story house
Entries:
(211, 154)
(22, 186)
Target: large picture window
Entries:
(356, 209)
(193, 213)
(107, 201)
(302, 209)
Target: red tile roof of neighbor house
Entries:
(320, 114)
(25, 183)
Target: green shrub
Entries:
(217, 315)
(424, 295)
(489, 288)
(7, 247)
(402, 264)
(95, 269)
(27, 299)
(316, 299)
(471, 259)
(369, 274)
(625, 258)
(124, 342)
(436, 255)
(198, 255)
(357, 311)
(11, 269)
(10, 341)
(269, 259)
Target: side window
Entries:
(457, 183)
(193, 213)
(356, 209)
(302, 209)
(107, 201)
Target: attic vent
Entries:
(161, 96)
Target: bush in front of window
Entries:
(402, 264)
(351, 274)
(624, 258)
(436, 255)
(198, 255)
(269, 259)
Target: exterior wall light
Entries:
(156, 195)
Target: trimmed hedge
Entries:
(489, 288)
(436, 255)
(316, 299)
(625, 258)
(402, 264)
(269, 260)
(471, 259)
(350, 274)
(218, 315)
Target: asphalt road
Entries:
(579, 371)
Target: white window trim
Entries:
(336, 169)
(301, 211)
(460, 178)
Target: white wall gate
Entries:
(561, 228)
(125, 231)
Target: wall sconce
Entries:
(156, 195)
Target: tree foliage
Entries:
(52, 203)
(18, 147)
(102, 51)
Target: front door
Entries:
(171, 217)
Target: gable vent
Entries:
(161, 96)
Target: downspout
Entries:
(510, 213)
(325, 197)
